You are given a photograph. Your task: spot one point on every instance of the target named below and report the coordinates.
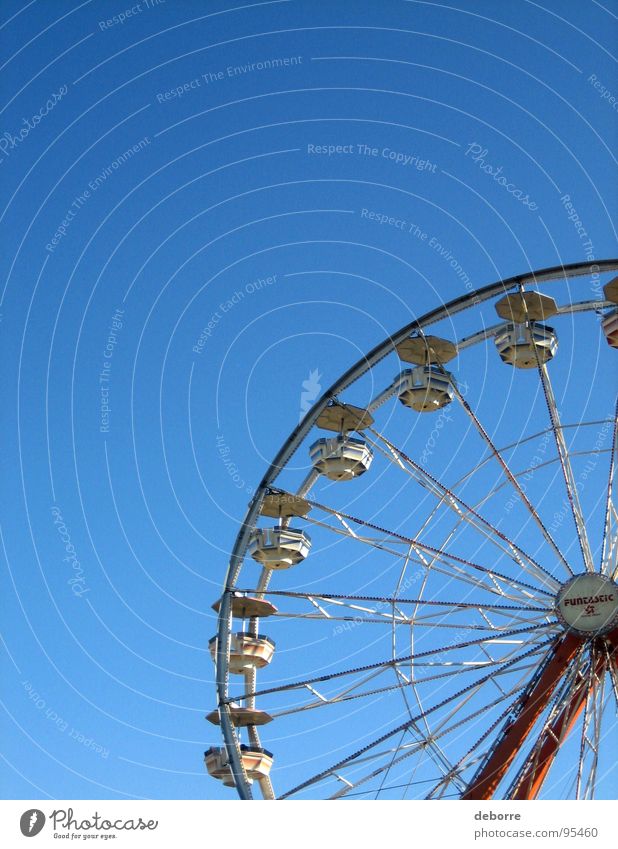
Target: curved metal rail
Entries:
(504, 286)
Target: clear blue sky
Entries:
(178, 254)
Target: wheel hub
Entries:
(588, 604)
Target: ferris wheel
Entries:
(421, 601)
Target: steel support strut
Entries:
(289, 447)
(534, 771)
(515, 731)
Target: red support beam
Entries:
(534, 771)
(514, 733)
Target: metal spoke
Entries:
(524, 441)
(467, 761)
(511, 477)
(438, 734)
(609, 544)
(612, 668)
(445, 558)
(585, 742)
(341, 598)
(348, 694)
(565, 463)
(465, 512)
(385, 776)
(477, 679)
(428, 549)
(591, 727)
(392, 662)
(378, 544)
(402, 727)
(430, 620)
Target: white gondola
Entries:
(425, 388)
(256, 761)
(610, 328)
(279, 547)
(218, 766)
(341, 458)
(246, 651)
(517, 344)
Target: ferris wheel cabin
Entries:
(584, 605)
(341, 458)
(247, 652)
(425, 388)
(526, 345)
(279, 547)
(610, 328)
(256, 761)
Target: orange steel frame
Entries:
(514, 734)
(533, 773)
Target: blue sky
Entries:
(187, 236)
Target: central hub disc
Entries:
(588, 604)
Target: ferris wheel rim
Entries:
(299, 433)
